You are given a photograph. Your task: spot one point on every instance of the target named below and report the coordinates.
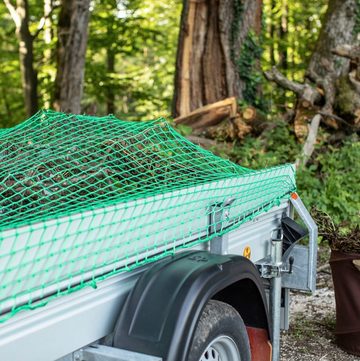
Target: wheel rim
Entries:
(222, 348)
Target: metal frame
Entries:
(313, 235)
(275, 268)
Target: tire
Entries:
(220, 335)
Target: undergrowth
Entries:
(330, 181)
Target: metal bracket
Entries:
(106, 353)
(269, 270)
(219, 213)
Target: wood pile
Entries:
(223, 120)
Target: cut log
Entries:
(249, 113)
(210, 115)
(302, 119)
(241, 128)
(223, 132)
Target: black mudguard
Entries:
(160, 315)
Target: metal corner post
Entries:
(313, 235)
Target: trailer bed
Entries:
(78, 319)
(47, 258)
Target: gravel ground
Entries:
(312, 322)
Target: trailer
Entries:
(195, 264)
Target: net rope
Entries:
(83, 198)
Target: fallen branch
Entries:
(204, 142)
(211, 114)
(308, 96)
(310, 141)
(333, 116)
(351, 52)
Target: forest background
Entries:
(129, 58)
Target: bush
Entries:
(330, 180)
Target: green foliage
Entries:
(235, 26)
(290, 34)
(332, 181)
(278, 145)
(142, 37)
(11, 97)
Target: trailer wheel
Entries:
(220, 335)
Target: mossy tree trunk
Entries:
(329, 70)
(332, 83)
(338, 29)
(217, 52)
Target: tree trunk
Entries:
(20, 15)
(338, 29)
(72, 42)
(283, 46)
(48, 32)
(49, 51)
(331, 85)
(110, 95)
(217, 47)
(272, 32)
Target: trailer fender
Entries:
(161, 312)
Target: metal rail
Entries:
(105, 353)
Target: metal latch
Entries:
(273, 266)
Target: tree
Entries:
(218, 53)
(20, 15)
(331, 87)
(130, 57)
(71, 48)
(338, 29)
(327, 69)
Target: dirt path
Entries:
(312, 321)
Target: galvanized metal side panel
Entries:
(299, 278)
(66, 324)
(55, 254)
(255, 234)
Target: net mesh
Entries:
(83, 198)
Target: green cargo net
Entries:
(83, 198)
